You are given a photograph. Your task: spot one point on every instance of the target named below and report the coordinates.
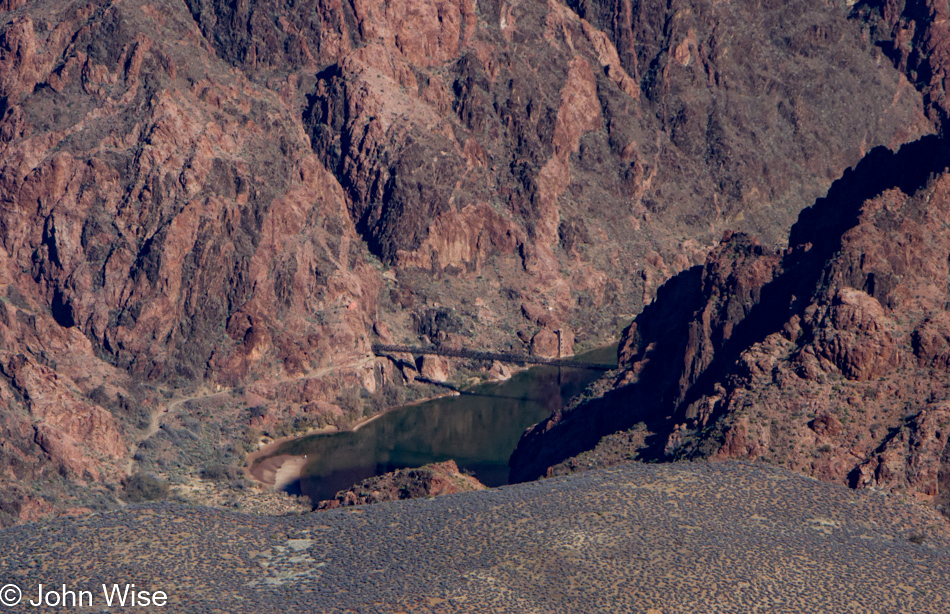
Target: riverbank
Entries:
(478, 428)
(259, 470)
(280, 470)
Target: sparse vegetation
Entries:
(141, 487)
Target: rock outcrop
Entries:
(428, 481)
(915, 35)
(206, 195)
(562, 155)
(163, 223)
(827, 357)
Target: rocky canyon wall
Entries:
(203, 196)
(826, 357)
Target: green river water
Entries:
(478, 429)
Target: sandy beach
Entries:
(279, 471)
(283, 469)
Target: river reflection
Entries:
(478, 429)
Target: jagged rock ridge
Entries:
(828, 357)
(210, 194)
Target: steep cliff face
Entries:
(827, 357)
(163, 221)
(915, 35)
(544, 147)
(532, 148)
(739, 86)
(203, 194)
(167, 208)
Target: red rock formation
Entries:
(827, 357)
(912, 458)
(428, 481)
(162, 219)
(539, 125)
(434, 368)
(544, 344)
(188, 189)
(916, 37)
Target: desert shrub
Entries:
(6, 520)
(219, 472)
(435, 321)
(145, 487)
(251, 437)
(152, 443)
(307, 422)
(350, 401)
(123, 407)
(258, 411)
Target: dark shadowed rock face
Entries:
(915, 35)
(828, 357)
(210, 193)
(736, 85)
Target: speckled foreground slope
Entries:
(720, 537)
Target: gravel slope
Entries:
(717, 537)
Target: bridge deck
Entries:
(520, 359)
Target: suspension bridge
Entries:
(519, 359)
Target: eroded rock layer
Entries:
(163, 222)
(207, 196)
(828, 357)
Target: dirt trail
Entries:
(172, 407)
